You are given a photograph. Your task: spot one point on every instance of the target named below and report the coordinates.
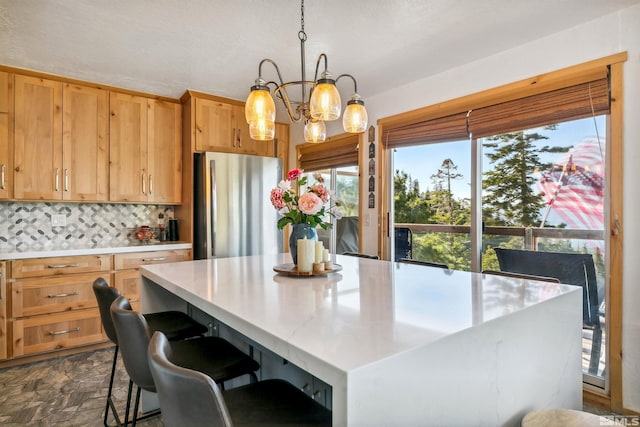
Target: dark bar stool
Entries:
(216, 357)
(202, 403)
(175, 324)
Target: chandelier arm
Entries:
(355, 84)
(272, 62)
(322, 55)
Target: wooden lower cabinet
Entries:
(127, 277)
(52, 305)
(39, 334)
(3, 310)
(47, 305)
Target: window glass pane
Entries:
(432, 196)
(543, 190)
(345, 189)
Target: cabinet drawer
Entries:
(56, 331)
(53, 294)
(136, 259)
(40, 267)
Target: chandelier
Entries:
(319, 100)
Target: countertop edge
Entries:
(48, 253)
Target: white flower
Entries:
(284, 185)
(335, 210)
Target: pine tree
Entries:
(442, 182)
(510, 198)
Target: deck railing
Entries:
(529, 234)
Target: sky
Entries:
(423, 161)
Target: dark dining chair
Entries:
(569, 268)
(175, 324)
(403, 242)
(424, 263)
(202, 403)
(521, 276)
(359, 255)
(214, 356)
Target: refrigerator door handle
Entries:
(213, 206)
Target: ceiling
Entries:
(164, 47)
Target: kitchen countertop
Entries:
(7, 254)
(481, 346)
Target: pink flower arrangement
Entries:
(309, 207)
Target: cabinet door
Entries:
(6, 151)
(128, 148)
(85, 155)
(215, 126)
(281, 145)
(3, 310)
(38, 139)
(164, 153)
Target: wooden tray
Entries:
(292, 270)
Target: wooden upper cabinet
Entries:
(280, 146)
(145, 150)
(164, 152)
(38, 139)
(85, 143)
(6, 146)
(222, 127)
(215, 126)
(128, 173)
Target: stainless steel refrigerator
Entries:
(233, 213)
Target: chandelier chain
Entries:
(301, 34)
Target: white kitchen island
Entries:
(399, 344)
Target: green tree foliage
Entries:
(410, 206)
(510, 198)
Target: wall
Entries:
(604, 36)
(27, 226)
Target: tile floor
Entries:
(67, 391)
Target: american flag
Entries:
(574, 187)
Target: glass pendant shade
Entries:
(325, 103)
(315, 131)
(260, 105)
(262, 130)
(355, 116)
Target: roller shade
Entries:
(442, 129)
(330, 154)
(561, 105)
(554, 106)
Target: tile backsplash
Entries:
(26, 225)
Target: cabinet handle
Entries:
(304, 388)
(69, 294)
(154, 259)
(239, 138)
(150, 185)
(66, 179)
(2, 168)
(68, 331)
(233, 141)
(316, 394)
(144, 189)
(57, 175)
(63, 265)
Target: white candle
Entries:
(319, 249)
(325, 255)
(305, 255)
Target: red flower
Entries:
(294, 174)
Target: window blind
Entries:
(342, 151)
(562, 104)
